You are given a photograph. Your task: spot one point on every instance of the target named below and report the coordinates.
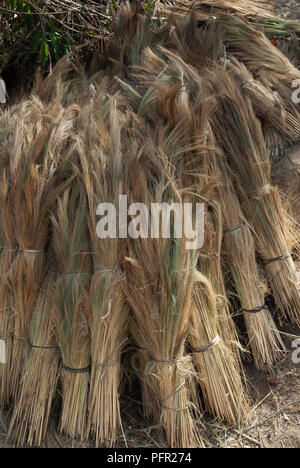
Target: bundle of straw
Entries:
(7, 255)
(70, 306)
(242, 140)
(31, 413)
(188, 121)
(102, 170)
(32, 178)
(159, 280)
(217, 370)
(264, 339)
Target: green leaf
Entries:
(55, 45)
(44, 52)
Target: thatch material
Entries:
(32, 179)
(268, 105)
(102, 170)
(70, 307)
(260, 56)
(7, 255)
(264, 339)
(159, 279)
(217, 372)
(32, 409)
(169, 116)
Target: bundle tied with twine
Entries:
(70, 245)
(217, 372)
(184, 107)
(30, 417)
(102, 168)
(7, 255)
(159, 278)
(264, 339)
(217, 360)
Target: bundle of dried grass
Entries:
(7, 255)
(32, 179)
(29, 421)
(102, 168)
(264, 339)
(217, 371)
(70, 306)
(159, 280)
(239, 134)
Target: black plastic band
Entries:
(71, 370)
(256, 310)
(42, 347)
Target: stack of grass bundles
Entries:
(7, 255)
(264, 339)
(261, 57)
(239, 134)
(70, 307)
(108, 315)
(159, 280)
(174, 105)
(32, 408)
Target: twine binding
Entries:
(235, 228)
(277, 259)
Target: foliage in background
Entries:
(37, 33)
